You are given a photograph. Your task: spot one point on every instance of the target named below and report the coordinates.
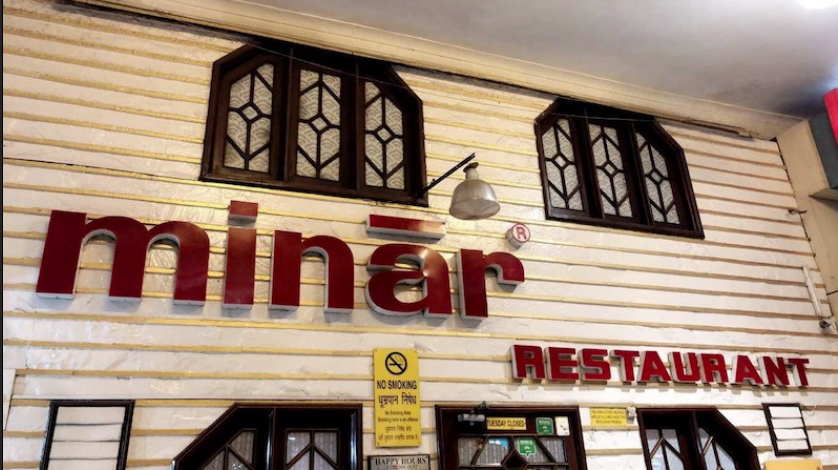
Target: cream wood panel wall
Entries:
(106, 115)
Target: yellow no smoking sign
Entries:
(397, 408)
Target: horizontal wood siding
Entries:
(105, 115)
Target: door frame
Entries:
(447, 432)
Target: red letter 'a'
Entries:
(68, 232)
(289, 248)
(432, 274)
(471, 267)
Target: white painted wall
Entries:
(105, 115)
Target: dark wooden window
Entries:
(694, 440)
(604, 166)
(103, 427)
(298, 118)
(263, 437)
(464, 446)
(789, 435)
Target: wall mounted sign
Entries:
(387, 225)
(398, 421)
(517, 235)
(526, 446)
(807, 464)
(608, 418)
(544, 426)
(594, 365)
(506, 424)
(69, 231)
(400, 462)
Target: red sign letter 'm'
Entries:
(289, 248)
(68, 232)
(471, 268)
(432, 274)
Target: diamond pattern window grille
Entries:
(614, 168)
(314, 121)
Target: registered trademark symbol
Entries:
(396, 363)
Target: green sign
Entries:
(526, 446)
(544, 426)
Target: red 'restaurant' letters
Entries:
(590, 365)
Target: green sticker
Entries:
(526, 446)
(544, 426)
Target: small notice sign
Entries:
(605, 418)
(544, 426)
(397, 408)
(400, 462)
(807, 464)
(526, 446)
(506, 424)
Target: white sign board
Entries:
(400, 462)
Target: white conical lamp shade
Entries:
(473, 199)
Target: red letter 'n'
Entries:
(289, 248)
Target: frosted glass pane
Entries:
(556, 447)
(383, 142)
(321, 464)
(609, 170)
(466, 448)
(233, 463)
(671, 438)
(297, 441)
(658, 184)
(318, 128)
(248, 132)
(494, 451)
(560, 162)
(725, 459)
(217, 463)
(243, 444)
(328, 443)
(303, 463)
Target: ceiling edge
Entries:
(260, 20)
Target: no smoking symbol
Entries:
(396, 363)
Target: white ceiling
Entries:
(772, 55)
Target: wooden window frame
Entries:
(784, 453)
(354, 72)
(125, 434)
(627, 124)
(690, 419)
(447, 434)
(262, 418)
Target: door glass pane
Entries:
(320, 463)
(671, 438)
(297, 441)
(243, 444)
(328, 443)
(233, 463)
(466, 448)
(494, 451)
(302, 464)
(556, 447)
(217, 463)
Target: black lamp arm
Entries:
(448, 173)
